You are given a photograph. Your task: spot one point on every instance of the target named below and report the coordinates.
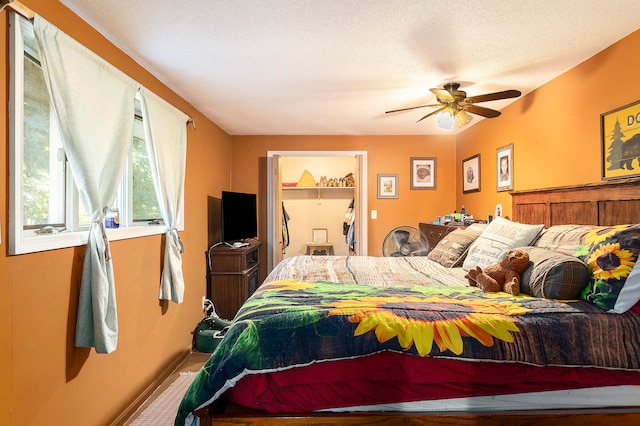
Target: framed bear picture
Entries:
(620, 135)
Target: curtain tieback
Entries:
(103, 233)
(174, 233)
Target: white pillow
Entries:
(501, 235)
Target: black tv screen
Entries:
(239, 217)
(214, 213)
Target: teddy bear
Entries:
(501, 276)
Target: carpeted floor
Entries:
(162, 411)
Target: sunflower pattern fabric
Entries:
(290, 323)
(611, 253)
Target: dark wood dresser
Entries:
(233, 276)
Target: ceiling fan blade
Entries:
(432, 113)
(505, 94)
(443, 95)
(485, 112)
(410, 108)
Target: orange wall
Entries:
(386, 154)
(556, 135)
(44, 379)
(555, 129)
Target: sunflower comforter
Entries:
(329, 332)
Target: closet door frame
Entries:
(274, 199)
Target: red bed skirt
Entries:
(389, 377)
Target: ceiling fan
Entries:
(456, 103)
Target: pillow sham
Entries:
(553, 275)
(611, 253)
(499, 236)
(563, 238)
(452, 249)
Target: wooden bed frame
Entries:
(605, 203)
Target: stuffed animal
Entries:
(501, 276)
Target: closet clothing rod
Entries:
(17, 7)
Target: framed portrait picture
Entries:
(387, 186)
(471, 174)
(620, 134)
(423, 173)
(504, 168)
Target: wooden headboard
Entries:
(604, 203)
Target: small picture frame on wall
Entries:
(504, 168)
(620, 135)
(319, 235)
(387, 186)
(471, 174)
(423, 173)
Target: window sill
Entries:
(33, 244)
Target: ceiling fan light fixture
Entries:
(445, 120)
(463, 118)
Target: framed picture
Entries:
(423, 173)
(319, 235)
(620, 134)
(388, 186)
(471, 174)
(504, 168)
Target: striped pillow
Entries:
(564, 238)
(452, 249)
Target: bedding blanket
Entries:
(341, 321)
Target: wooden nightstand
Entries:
(320, 249)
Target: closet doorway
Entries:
(314, 208)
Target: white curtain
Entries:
(166, 136)
(94, 105)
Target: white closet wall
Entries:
(311, 208)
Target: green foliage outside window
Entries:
(145, 203)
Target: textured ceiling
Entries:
(333, 67)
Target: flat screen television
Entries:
(239, 216)
(214, 213)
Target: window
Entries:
(43, 177)
(45, 209)
(144, 202)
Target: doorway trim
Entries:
(273, 240)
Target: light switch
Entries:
(374, 214)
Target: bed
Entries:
(363, 340)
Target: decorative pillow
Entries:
(553, 275)
(563, 238)
(451, 250)
(611, 253)
(499, 236)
